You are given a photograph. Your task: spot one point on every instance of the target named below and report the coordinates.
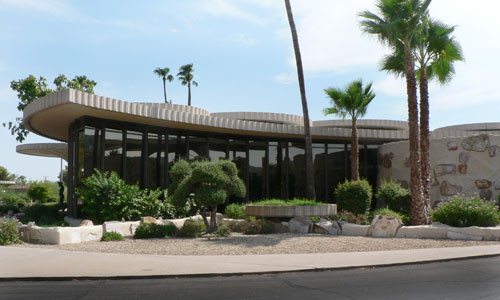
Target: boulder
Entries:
(482, 184)
(86, 223)
(463, 236)
(448, 189)
(327, 227)
(148, 219)
(354, 229)
(478, 143)
(384, 226)
(300, 225)
(445, 169)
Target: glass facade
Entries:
(269, 167)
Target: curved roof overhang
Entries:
(51, 116)
(59, 150)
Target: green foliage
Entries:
(111, 236)
(44, 215)
(30, 88)
(260, 226)
(207, 183)
(291, 202)
(152, 231)
(11, 198)
(39, 191)
(350, 102)
(107, 197)
(223, 230)
(235, 211)
(4, 174)
(461, 211)
(4, 209)
(9, 232)
(354, 196)
(391, 213)
(395, 196)
(191, 229)
(349, 217)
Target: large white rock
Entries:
(180, 222)
(123, 228)
(61, 235)
(384, 226)
(300, 225)
(423, 232)
(327, 227)
(463, 236)
(354, 229)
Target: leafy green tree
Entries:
(4, 174)
(310, 191)
(31, 88)
(208, 184)
(397, 25)
(39, 191)
(185, 75)
(163, 73)
(351, 102)
(435, 52)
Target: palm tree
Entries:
(185, 75)
(353, 102)
(397, 25)
(310, 192)
(435, 52)
(163, 73)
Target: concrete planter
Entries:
(291, 211)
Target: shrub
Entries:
(44, 215)
(39, 191)
(395, 196)
(354, 196)
(390, 213)
(291, 202)
(191, 229)
(151, 231)
(349, 217)
(461, 211)
(235, 211)
(107, 197)
(111, 236)
(9, 232)
(259, 226)
(15, 199)
(4, 209)
(223, 231)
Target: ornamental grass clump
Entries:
(461, 211)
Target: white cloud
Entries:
(285, 78)
(56, 8)
(390, 86)
(226, 8)
(245, 40)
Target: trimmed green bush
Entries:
(395, 196)
(152, 231)
(235, 211)
(11, 198)
(39, 191)
(223, 231)
(390, 213)
(44, 215)
(291, 202)
(106, 197)
(4, 209)
(461, 211)
(191, 229)
(9, 232)
(354, 196)
(111, 236)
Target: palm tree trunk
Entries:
(165, 89)
(310, 192)
(425, 160)
(189, 93)
(417, 215)
(354, 152)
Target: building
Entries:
(140, 141)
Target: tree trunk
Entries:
(425, 160)
(189, 93)
(165, 89)
(417, 215)
(310, 192)
(354, 152)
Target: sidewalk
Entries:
(38, 263)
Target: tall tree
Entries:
(185, 75)
(397, 25)
(351, 102)
(31, 88)
(163, 73)
(435, 52)
(310, 192)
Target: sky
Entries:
(242, 54)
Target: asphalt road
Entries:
(462, 279)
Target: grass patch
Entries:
(292, 202)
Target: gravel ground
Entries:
(238, 244)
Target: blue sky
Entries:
(242, 55)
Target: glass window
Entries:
(318, 154)
(335, 164)
(296, 170)
(237, 154)
(113, 150)
(133, 163)
(152, 175)
(277, 170)
(198, 148)
(257, 170)
(217, 149)
(88, 153)
(182, 147)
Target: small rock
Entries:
(478, 143)
(452, 146)
(463, 157)
(86, 223)
(483, 184)
(493, 150)
(327, 227)
(462, 169)
(300, 225)
(384, 226)
(150, 220)
(444, 169)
